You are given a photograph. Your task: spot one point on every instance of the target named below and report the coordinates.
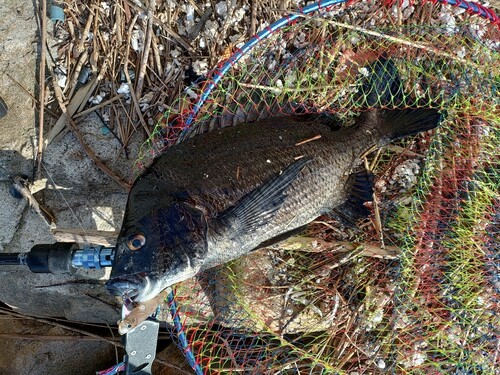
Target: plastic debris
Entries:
(84, 75)
(56, 13)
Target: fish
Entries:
(222, 194)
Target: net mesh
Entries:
(416, 289)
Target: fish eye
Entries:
(136, 241)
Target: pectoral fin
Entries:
(260, 205)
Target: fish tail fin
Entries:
(383, 86)
(384, 89)
(400, 123)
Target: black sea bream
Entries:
(219, 195)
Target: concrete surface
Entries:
(79, 195)
(49, 356)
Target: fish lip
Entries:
(127, 287)
(137, 288)
(151, 289)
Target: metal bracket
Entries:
(140, 345)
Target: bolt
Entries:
(133, 352)
(148, 356)
(143, 328)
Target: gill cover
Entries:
(162, 241)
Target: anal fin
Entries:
(360, 187)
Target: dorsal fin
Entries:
(254, 107)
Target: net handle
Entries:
(224, 66)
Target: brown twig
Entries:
(27, 336)
(106, 238)
(129, 81)
(71, 123)
(145, 52)
(22, 88)
(156, 54)
(96, 107)
(315, 245)
(74, 79)
(253, 19)
(85, 31)
(41, 109)
(88, 334)
(20, 186)
(316, 137)
(30, 95)
(103, 167)
(196, 7)
(56, 324)
(125, 133)
(97, 37)
(118, 23)
(376, 211)
(165, 27)
(24, 336)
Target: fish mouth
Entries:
(137, 288)
(128, 287)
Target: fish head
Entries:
(157, 249)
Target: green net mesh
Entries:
(416, 289)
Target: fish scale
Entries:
(320, 187)
(212, 179)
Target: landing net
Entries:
(416, 290)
